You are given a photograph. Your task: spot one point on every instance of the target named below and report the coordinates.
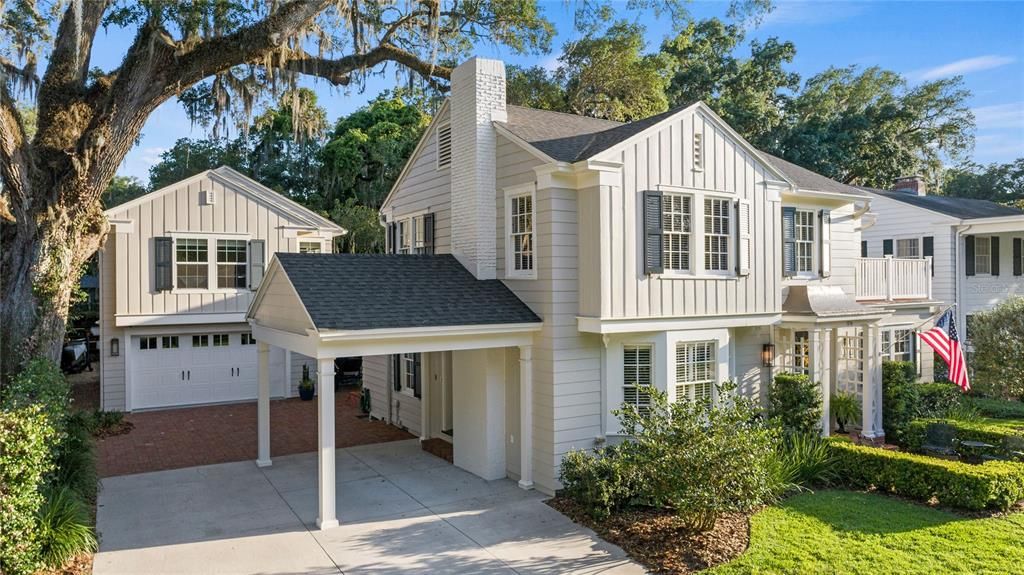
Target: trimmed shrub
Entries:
(795, 403)
(1006, 439)
(998, 408)
(937, 399)
(899, 399)
(25, 435)
(602, 481)
(997, 337)
(993, 485)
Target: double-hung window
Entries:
(231, 264)
(716, 234)
(677, 215)
(983, 255)
(411, 235)
(804, 241)
(192, 261)
(696, 370)
(520, 251)
(909, 248)
(410, 369)
(898, 345)
(637, 362)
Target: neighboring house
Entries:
(665, 253)
(177, 273)
(976, 245)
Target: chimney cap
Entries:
(914, 184)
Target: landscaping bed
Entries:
(659, 540)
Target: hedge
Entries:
(992, 485)
(999, 408)
(1003, 438)
(938, 399)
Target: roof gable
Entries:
(954, 207)
(441, 117)
(239, 183)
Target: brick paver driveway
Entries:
(185, 437)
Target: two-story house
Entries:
(547, 268)
(976, 245)
(177, 274)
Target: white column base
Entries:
(324, 525)
(525, 484)
(263, 463)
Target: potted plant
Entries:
(845, 409)
(306, 385)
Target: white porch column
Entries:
(871, 413)
(526, 416)
(877, 376)
(819, 371)
(263, 405)
(426, 371)
(326, 513)
(833, 378)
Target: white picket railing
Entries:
(890, 279)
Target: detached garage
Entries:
(177, 274)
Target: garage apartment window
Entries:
(637, 361)
(221, 340)
(231, 263)
(169, 342)
(147, 343)
(200, 341)
(696, 370)
(310, 247)
(248, 339)
(191, 259)
(519, 219)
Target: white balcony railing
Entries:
(891, 279)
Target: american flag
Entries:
(945, 341)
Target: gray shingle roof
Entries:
(807, 180)
(369, 291)
(963, 208)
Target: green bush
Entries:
(997, 337)
(999, 408)
(701, 459)
(899, 399)
(1007, 440)
(937, 399)
(804, 460)
(993, 485)
(25, 435)
(602, 482)
(795, 403)
(76, 459)
(64, 530)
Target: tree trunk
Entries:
(42, 260)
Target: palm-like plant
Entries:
(845, 409)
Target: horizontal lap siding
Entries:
(375, 379)
(427, 188)
(664, 157)
(111, 368)
(983, 292)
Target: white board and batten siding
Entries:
(663, 159)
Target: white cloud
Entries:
(1000, 116)
(965, 66)
(809, 13)
(151, 156)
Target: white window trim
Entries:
(415, 220)
(715, 380)
(318, 241)
(510, 194)
(211, 263)
(697, 236)
(437, 146)
(406, 389)
(977, 240)
(815, 246)
(896, 246)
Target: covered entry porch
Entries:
(327, 306)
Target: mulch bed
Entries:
(657, 538)
(439, 448)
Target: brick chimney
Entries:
(913, 185)
(477, 99)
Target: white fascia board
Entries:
(997, 225)
(145, 198)
(843, 320)
(356, 346)
(273, 269)
(124, 320)
(835, 197)
(428, 133)
(239, 181)
(646, 324)
(457, 330)
(307, 344)
(122, 225)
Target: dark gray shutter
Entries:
(417, 378)
(928, 250)
(969, 255)
(1018, 256)
(653, 251)
(164, 260)
(886, 247)
(257, 262)
(789, 241)
(428, 233)
(863, 248)
(825, 242)
(396, 371)
(994, 242)
(389, 238)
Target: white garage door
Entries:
(188, 369)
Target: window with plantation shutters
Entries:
(636, 375)
(696, 370)
(677, 214)
(717, 233)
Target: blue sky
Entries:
(983, 41)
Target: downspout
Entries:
(957, 283)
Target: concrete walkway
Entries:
(402, 511)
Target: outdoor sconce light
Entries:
(768, 355)
(115, 347)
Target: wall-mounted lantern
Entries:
(768, 355)
(115, 347)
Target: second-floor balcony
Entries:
(890, 279)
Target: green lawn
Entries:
(847, 532)
(1008, 425)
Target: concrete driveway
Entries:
(402, 511)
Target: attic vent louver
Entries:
(698, 151)
(207, 198)
(444, 146)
